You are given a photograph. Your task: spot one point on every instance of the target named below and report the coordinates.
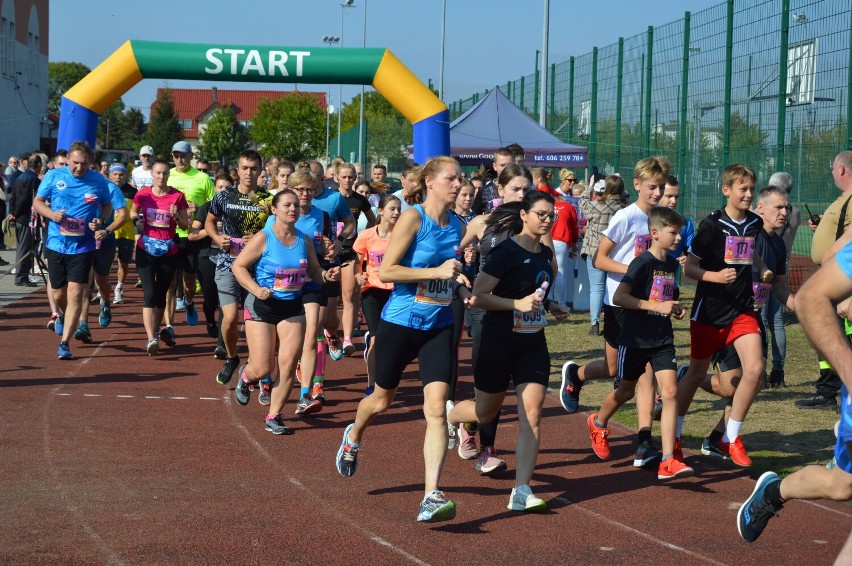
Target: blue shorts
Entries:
(843, 445)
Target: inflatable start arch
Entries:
(136, 60)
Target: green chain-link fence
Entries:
(759, 82)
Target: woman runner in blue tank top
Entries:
(422, 261)
(283, 259)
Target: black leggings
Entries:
(207, 278)
(157, 274)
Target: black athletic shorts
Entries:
(633, 361)
(505, 355)
(372, 302)
(316, 296)
(62, 268)
(726, 359)
(397, 346)
(613, 320)
(272, 311)
(188, 254)
(103, 258)
(125, 249)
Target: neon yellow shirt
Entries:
(196, 186)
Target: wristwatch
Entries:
(108, 232)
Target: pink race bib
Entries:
(237, 245)
(158, 218)
(376, 258)
(641, 244)
(739, 250)
(73, 227)
(761, 292)
(662, 288)
(290, 279)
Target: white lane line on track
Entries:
(824, 508)
(48, 436)
(307, 492)
(176, 398)
(639, 533)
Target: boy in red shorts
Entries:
(721, 259)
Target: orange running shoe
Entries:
(318, 392)
(599, 435)
(736, 451)
(678, 451)
(674, 468)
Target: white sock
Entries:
(679, 431)
(119, 286)
(732, 431)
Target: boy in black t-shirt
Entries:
(647, 293)
(721, 258)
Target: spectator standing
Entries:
(21, 204)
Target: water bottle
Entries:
(540, 292)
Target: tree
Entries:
(292, 126)
(387, 129)
(165, 129)
(61, 76)
(224, 138)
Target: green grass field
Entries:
(778, 436)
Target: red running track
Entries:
(116, 457)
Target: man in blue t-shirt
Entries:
(75, 201)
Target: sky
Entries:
(488, 42)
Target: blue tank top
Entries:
(426, 304)
(312, 226)
(281, 268)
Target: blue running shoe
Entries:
(435, 508)
(59, 324)
(347, 455)
(758, 509)
(167, 336)
(64, 352)
(191, 314)
(242, 392)
(82, 333)
(335, 346)
(106, 315)
(180, 304)
(569, 395)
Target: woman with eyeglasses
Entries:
(512, 288)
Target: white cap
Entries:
(146, 150)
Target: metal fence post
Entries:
(593, 111)
(571, 99)
(521, 105)
(684, 101)
(536, 88)
(782, 85)
(848, 94)
(618, 102)
(552, 96)
(729, 53)
(649, 61)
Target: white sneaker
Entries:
(523, 499)
(452, 430)
(119, 296)
(153, 347)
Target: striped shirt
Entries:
(597, 215)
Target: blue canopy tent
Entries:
(495, 122)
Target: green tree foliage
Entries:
(224, 138)
(291, 126)
(165, 129)
(61, 76)
(388, 132)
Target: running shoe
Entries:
(264, 397)
(435, 507)
(468, 450)
(658, 407)
(118, 299)
(191, 314)
(369, 390)
(335, 348)
(153, 347)
(82, 333)
(227, 372)
(212, 330)
(646, 455)
(59, 324)
(298, 371)
(368, 339)
(598, 436)
(755, 513)
(308, 406)
(569, 394)
(167, 335)
(220, 353)
(242, 392)
(678, 450)
(452, 430)
(318, 392)
(736, 452)
(348, 347)
(138, 284)
(523, 499)
(710, 448)
(96, 298)
(105, 317)
(180, 304)
(275, 425)
(64, 351)
(51, 324)
(673, 468)
(488, 462)
(346, 460)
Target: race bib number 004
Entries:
(435, 292)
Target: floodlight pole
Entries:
(542, 91)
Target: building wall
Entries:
(23, 75)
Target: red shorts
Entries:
(707, 339)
